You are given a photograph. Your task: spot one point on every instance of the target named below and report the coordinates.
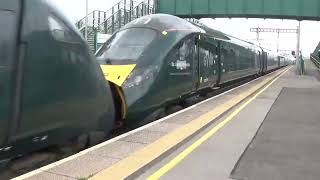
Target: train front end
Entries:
(124, 63)
(133, 61)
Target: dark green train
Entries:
(51, 87)
(160, 60)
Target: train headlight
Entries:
(140, 77)
(137, 80)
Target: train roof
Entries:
(165, 22)
(162, 22)
(222, 36)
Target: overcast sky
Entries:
(239, 27)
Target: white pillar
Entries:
(258, 35)
(86, 23)
(278, 40)
(298, 65)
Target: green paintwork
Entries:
(8, 28)
(238, 60)
(58, 91)
(208, 61)
(280, 9)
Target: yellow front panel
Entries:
(117, 73)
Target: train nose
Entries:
(117, 73)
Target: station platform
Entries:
(268, 128)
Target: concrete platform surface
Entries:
(218, 156)
(287, 145)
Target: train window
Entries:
(128, 45)
(181, 57)
(60, 31)
(230, 59)
(185, 50)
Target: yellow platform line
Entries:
(175, 161)
(146, 155)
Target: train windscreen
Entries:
(126, 46)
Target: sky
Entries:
(238, 27)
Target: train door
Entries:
(218, 61)
(180, 62)
(9, 15)
(227, 61)
(208, 62)
(260, 64)
(265, 61)
(195, 71)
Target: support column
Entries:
(298, 64)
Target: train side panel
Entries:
(9, 18)
(191, 65)
(179, 68)
(237, 62)
(208, 61)
(62, 93)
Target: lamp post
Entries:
(86, 23)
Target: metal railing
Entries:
(96, 17)
(124, 8)
(315, 59)
(105, 22)
(124, 16)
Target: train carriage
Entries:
(52, 90)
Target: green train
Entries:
(160, 60)
(54, 91)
